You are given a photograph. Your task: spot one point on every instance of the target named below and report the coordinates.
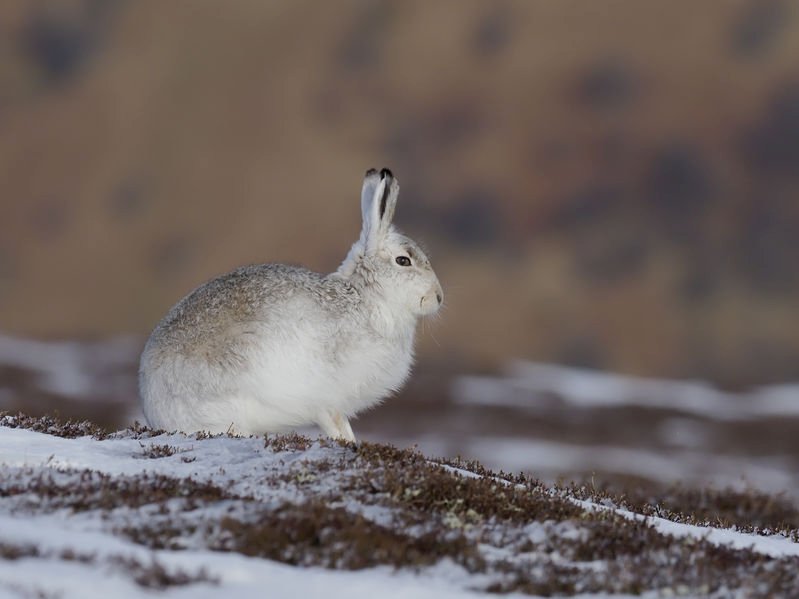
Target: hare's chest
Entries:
(392, 369)
(376, 371)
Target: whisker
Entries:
(430, 331)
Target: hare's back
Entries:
(232, 308)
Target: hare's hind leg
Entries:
(336, 425)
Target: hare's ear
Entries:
(378, 202)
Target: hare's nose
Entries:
(439, 298)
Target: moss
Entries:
(315, 534)
(160, 534)
(288, 442)
(410, 479)
(431, 488)
(137, 430)
(746, 510)
(550, 579)
(12, 552)
(154, 575)
(155, 451)
(97, 491)
(477, 468)
(420, 512)
(52, 425)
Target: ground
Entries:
(86, 513)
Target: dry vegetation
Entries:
(350, 506)
(749, 511)
(152, 575)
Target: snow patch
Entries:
(527, 384)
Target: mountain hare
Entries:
(269, 347)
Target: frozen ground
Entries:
(583, 388)
(587, 423)
(137, 513)
(81, 553)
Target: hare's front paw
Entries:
(336, 425)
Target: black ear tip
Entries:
(386, 174)
(370, 172)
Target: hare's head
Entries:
(390, 263)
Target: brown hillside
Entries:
(605, 184)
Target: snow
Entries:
(664, 431)
(526, 383)
(243, 577)
(548, 459)
(553, 461)
(774, 545)
(237, 575)
(25, 448)
(76, 369)
(241, 463)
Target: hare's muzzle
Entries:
(432, 300)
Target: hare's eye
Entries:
(403, 260)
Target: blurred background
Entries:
(608, 192)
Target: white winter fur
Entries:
(270, 347)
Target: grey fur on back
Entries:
(248, 296)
